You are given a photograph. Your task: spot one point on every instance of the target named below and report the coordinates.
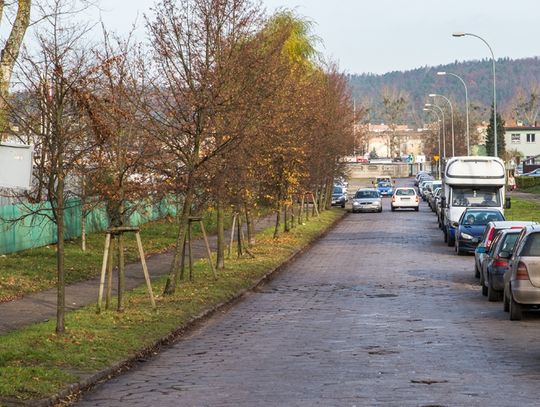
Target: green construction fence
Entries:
(30, 225)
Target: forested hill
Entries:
(418, 83)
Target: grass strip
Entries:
(523, 209)
(34, 270)
(36, 363)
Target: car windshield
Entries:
(405, 192)
(475, 197)
(384, 184)
(481, 217)
(532, 246)
(366, 194)
(338, 190)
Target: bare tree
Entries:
(51, 117)
(196, 45)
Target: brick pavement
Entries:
(378, 313)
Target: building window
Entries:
(516, 138)
(531, 138)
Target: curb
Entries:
(71, 393)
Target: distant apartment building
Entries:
(382, 139)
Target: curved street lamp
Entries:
(443, 126)
(462, 34)
(466, 109)
(439, 138)
(433, 95)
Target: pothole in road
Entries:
(383, 352)
(428, 381)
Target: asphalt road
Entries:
(380, 312)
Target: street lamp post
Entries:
(443, 126)
(439, 138)
(433, 95)
(466, 109)
(462, 34)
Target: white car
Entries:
(405, 198)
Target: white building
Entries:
(524, 140)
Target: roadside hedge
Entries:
(527, 182)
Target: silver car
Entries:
(522, 281)
(367, 200)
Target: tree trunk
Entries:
(121, 273)
(329, 188)
(286, 227)
(322, 195)
(60, 265)
(9, 55)
(220, 262)
(278, 221)
(172, 278)
(250, 226)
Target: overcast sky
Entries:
(380, 36)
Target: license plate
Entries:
(405, 199)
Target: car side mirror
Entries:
(480, 249)
(505, 254)
(443, 202)
(455, 224)
(507, 203)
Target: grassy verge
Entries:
(523, 209)
(531, 190)
(35, 269)
(36, 363)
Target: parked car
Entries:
(367, 200)
(495, 264)
(405, 198)
(385, 188)
(522, 281)
(533, 173)
(339, 196)
(419, 175)
(471, 227)
(432, 198)
(491, 231)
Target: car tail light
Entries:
(489, 238)
(500, 262)
(393, 198)
(417, 199)
(522, 272)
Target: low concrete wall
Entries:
(394, 170)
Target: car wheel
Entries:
(393, 209)
(417, 209)
(343, 205)
(476, 271)
(516, 312)
(445, 235)
(506, 303)
(492, 294)
(449, 239)
(380, 210)
(484, 290)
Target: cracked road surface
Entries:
(380, 312)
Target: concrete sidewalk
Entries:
(41, 306)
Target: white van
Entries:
(474, 181)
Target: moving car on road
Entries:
(522, 282)
(367, 200)
(339, 196)
(385, 188)
(405, 198)
(471, 226)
